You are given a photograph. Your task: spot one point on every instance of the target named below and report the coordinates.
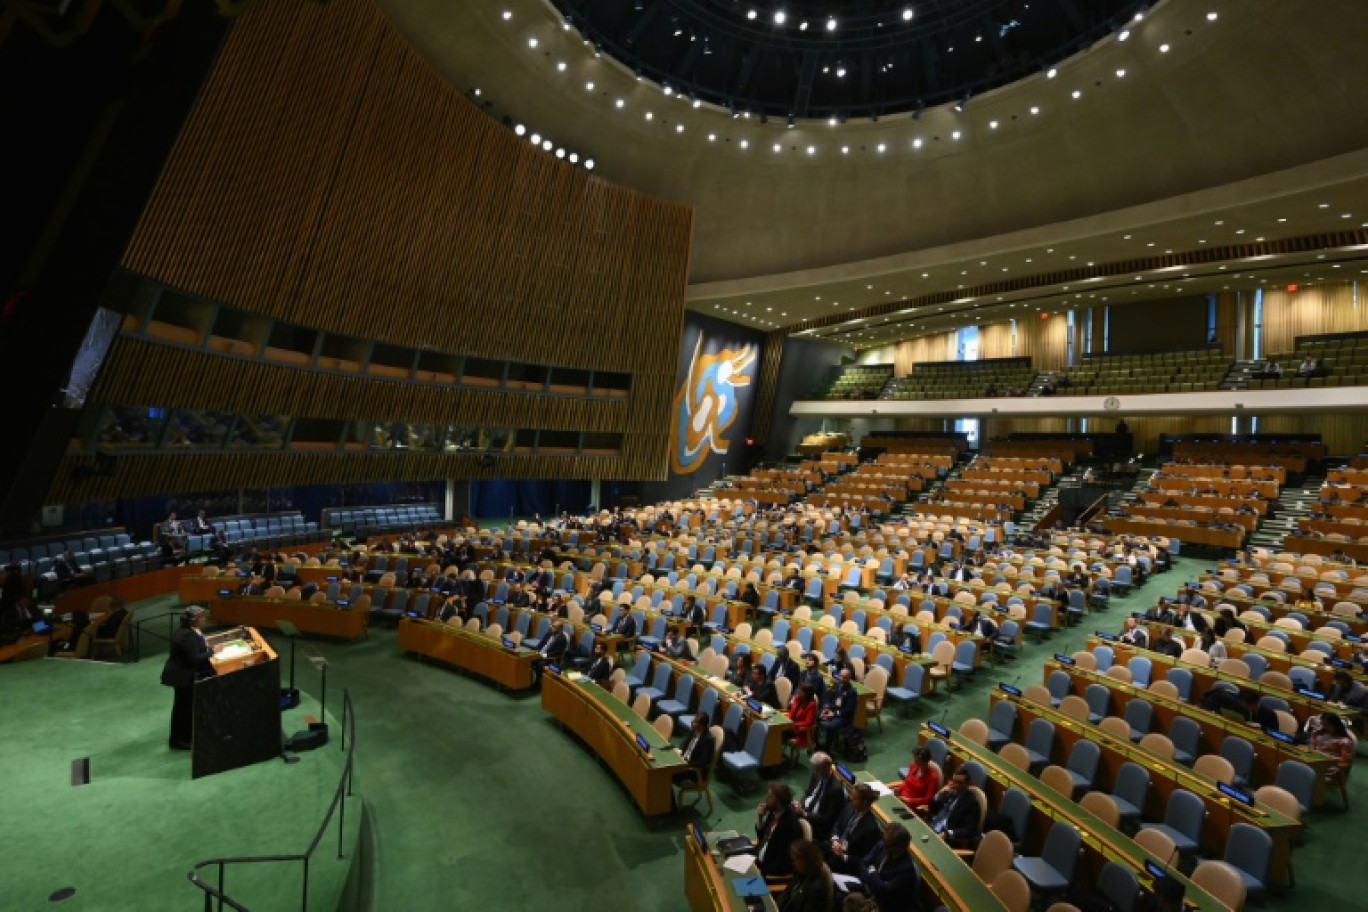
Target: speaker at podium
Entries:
(237, 712)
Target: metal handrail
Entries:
(135, 642)
(338, 804)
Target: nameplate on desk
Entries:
(597, 628)
(723, 630)
(1064, 660)
(907, 649)
(331, 579)
(412, 614)
(844, 773)
(938, 729)
(1154, 869)
(1307, 692)
(643, 744)
(755, 707)
(699, 839)
(1340, 663)
(1009, 689)
(1353, 638)
(225, 592)
(509, 644)
(1279, 736)
(244, 573)
(554, 669)
(343, 603)
(1109, 637)
(1231, 792)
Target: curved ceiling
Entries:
(828, 58)
(1203, 118)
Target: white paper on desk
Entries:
(845, 882)
(879, 787)
(739, 863)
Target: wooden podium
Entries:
(237, 712)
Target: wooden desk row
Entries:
(323, 619)
(1190, 535)
(1281, 662)
(1203, 677)
(610, 729)
(1220, 487)
(1355, 550)
(1268, 751)
(1249, 522)
(1166, 776)
(1203, 501)
(1208, 470)
(474, 652)
(1100, 843)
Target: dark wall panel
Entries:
(1156, 325)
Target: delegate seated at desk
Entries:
(601, 669)
(888, 873)
(775, 830)
(856, 831)
(552, 650)
(837, 712)
(954, 812)
(823, 800)
(760, 688)
(697, 750)
(811, 889)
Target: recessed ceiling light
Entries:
(531, 42)
(561, 66)
(1077, 94)
(881, 147)
(745, 143)
(1163, 48)
(1211, 17)
(1125, 33)
(1035, 109)
(1121, 74)
(588, 87)
(780, 17)
(507, 14)
(1051, 73)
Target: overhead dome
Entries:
(838, 58)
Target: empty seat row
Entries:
(364, 521)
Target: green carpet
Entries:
(477, 800)
(128, 838)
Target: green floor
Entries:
(476, 800)
(127, 839)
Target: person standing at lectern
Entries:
(187, 663)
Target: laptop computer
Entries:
(736, 845)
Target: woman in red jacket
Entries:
(802, 712)
(923, 779)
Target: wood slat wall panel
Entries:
(767, 384)
(141, 372)
(172, 473)
(328, 177)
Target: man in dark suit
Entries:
(187, 663)
(552, 650)
(855, 832)
(823, 800)
(776, 829)
(601, 668)
(109, 624)
(888, 873)
(625, 626)
(784, 667)
(697, 750)
(761, 688)
(250, 586)
(954, 812)
(837, 712)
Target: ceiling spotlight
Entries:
(531, 42)
(1125, 33)
(707, 47)
(1051, 73)
(589, 164)
(1211, 17)
(1163, 48)
(959, 105)
(547, 144)
(520, 130)
(840, 70)
(790, 122)
(574, 157)
(907, 14)
(536, 139)
(560, 153)
(780, 17)
(750, 14)
(831, 25)
(1121, 74)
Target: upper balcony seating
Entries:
(365, 521)
(859, 382)
(963, 380)
(1164, 372)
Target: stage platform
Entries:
(128, 838)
